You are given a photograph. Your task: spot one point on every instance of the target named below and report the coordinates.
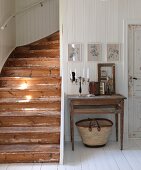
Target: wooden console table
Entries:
(103, 104)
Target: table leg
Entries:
(116, 123)
(122, 124)
(72, 130)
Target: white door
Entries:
(134, 44)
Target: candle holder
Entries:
(80, 80)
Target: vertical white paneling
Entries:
(7, 36)
(86, 21)
(36, 23)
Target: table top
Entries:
(114, 96)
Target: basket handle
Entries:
(94, 123)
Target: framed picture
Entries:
(106, 76)
(94, 52)
(74, 52)
(113, 52)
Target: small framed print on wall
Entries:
(74, 52)
(94, 52)
(113, 52)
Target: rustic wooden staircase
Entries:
(30, 102)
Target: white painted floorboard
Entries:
(106, 158)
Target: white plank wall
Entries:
(86, 21)
(7, 36)
(37, 22)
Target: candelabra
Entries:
(78, 80)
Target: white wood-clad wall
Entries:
(86, 21)
(7, 36)
(37, 22)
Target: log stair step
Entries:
(29, 153)
(53, 42)
(41, 92)
(32, 135)
(38, 82)
(50, 53)
(23, 105)
(40, 112)
(42, 61)
(48, 45)
(38, 100)
(30, 71)
(29, 118)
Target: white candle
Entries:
(70, 74)
(88, 73)
(75, 73)
(83, 74)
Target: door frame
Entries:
(126, 23)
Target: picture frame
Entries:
(74, 52)
(106, 76)
(94, 52)
(113, 52)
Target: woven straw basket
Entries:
(94, 132)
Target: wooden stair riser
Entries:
(51, 92)
(29, 153)
(21, 49)
(43, 83)
(30, 72)
(23, 62)
(46, 43)
(37, 53)
(27, 106)
(26, 121)
(32, 138)
(45, 46)
(31, 157)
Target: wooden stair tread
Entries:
(33, 55)
(34, 51)
(4, 130)
(30, 71)
(54, 148)
(31, 68)
(45, 46)
(27, 113)
(48, 53)
(32, 63)
(39, 86)
(45, 43)
(31, 79)
(34, 59)
(23, 100)
(29, 109)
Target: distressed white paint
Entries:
(134, 64)
(7, 36)
(37, 22)
(86, 21)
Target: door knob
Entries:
(134, 78)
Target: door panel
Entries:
(134, 81)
